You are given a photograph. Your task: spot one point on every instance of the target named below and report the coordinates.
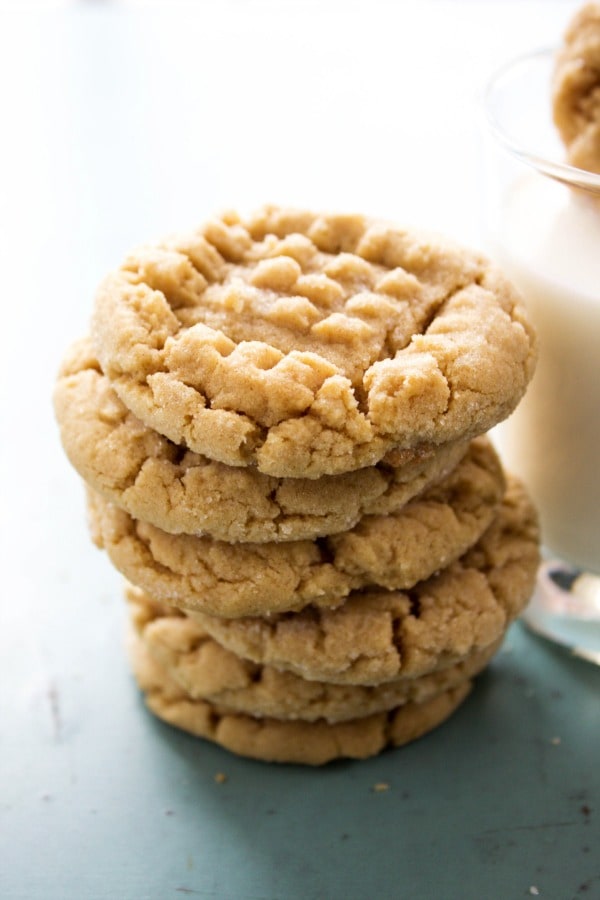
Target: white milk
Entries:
(547, 241)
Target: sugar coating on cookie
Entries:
(206, 671)
(275, 740)
(178, 491)
(576, 89)
(378, 636)
(391, 551)
(311, 344)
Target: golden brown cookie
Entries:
(378, 636)
(311, 345)
(393, 551)
(576, 89)
(180, 492)
(206, 671)
(275, 740)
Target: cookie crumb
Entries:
(220, 778)
(555, 741)
(380, 787)
(533, 890)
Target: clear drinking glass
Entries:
(542, 225)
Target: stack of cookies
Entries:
(281, 424)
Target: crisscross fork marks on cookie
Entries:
(341, 355)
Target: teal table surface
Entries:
(101, 800)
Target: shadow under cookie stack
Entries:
(281, 424)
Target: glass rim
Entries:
(559, 171)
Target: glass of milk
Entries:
(542, 225)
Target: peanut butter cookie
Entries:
(378, 636)
(206, 671)
(311, 345)
(180, 492)
(275, 740)
(576, 89)
(391, 551)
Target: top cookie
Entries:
(311, 344)
(576, 89)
